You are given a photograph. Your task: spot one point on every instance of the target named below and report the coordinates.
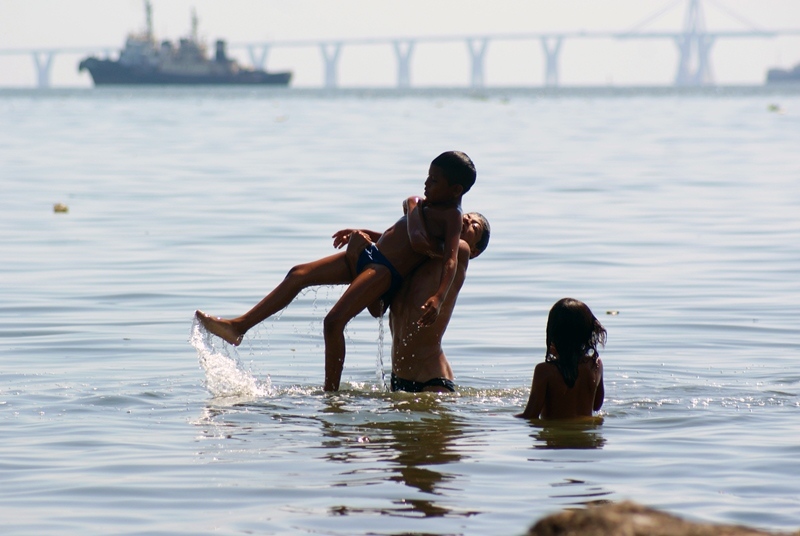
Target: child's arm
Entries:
(536, 399)
(431, 308)
(600, 393)
(417, 231)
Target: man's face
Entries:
(471, 232)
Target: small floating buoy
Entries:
(612, 313)
(60, 207)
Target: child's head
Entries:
(475, 231)
(457, 168)
(573, 333)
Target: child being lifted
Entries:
(379, 269)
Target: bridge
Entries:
(694, 43)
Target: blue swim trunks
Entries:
(411, 386)
(371, 255)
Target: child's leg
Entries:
(365, 289)
(358, 241)
(332, 270)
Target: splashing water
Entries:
(225, 374)
(379, 357)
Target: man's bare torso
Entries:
(417, 353)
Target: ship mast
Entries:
(194, 25)
(148, 11)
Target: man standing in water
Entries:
(418, 361)
(377, 272)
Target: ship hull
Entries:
(108, 72)
(781, 76)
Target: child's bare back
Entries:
(569, 383)
(559, 401)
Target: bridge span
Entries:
(694, 44)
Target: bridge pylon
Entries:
(403, 50)
(330, 55)
(43, 61)
(551, 46)
(694, 47)
(477, 53)
(258, 55)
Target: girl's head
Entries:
(573, 333)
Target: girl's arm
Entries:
(600, 393)
(536, 399)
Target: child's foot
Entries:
(220, 327)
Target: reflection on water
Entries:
(377, 438)
(579, 492)
(411, 441)
(573, 434)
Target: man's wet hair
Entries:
(458, 169)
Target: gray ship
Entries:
(142, 61)
(784, 76)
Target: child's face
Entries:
(471, 232)
(437, 189)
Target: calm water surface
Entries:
(675, 210)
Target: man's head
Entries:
(457, 168)
(475, 231)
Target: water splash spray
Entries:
(225, 374)
(379, 357)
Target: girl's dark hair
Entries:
(575, 333)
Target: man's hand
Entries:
(342, 238)
(357, 241)
(410, 203)
(430, 311)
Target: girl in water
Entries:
(569, 383)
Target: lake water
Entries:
(678, 210)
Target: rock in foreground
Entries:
(631, 519)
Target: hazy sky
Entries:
(28, 24)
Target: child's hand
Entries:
(430, 311)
